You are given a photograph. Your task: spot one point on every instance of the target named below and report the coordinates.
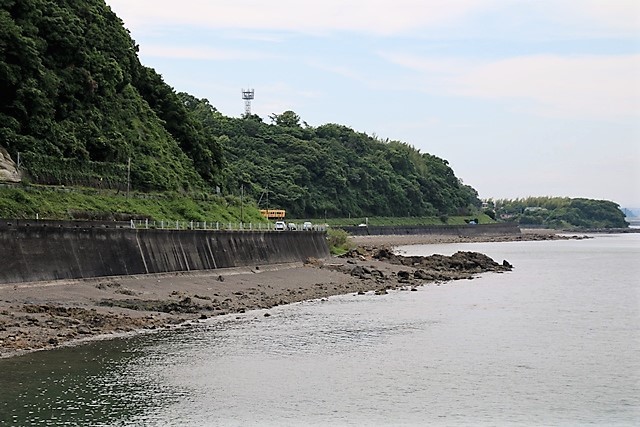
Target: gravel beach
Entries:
(44, 315)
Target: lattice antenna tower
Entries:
(247, 95)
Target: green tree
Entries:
(286, 119)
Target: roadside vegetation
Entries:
(338, 241)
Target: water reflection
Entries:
(87, 385)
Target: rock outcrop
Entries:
(8, 168)
(461, 265)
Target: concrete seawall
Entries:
(455, 230)
(36, 252)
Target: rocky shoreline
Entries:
(38, 316)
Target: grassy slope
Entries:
(47, 203)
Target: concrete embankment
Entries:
(454, 230)
(31, 252)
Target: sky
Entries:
(522, 98)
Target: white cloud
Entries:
(588, 86)
(574, 86)
(201, 53)
(381, 17)
(368, 16)
(338, 69)
(621, 16)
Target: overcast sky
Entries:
(523, 98)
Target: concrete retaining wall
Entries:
(456, 230)
(35, 253)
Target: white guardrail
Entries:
(225, 226)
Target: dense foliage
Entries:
(562, 212)
(72, 87)
(332, 170)
(77, 104)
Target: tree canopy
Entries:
(562, 212)
(333, 170)
(73, 87)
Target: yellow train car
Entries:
(273, 213)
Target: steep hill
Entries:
(72, 87)
(332, 170)
(77, 104)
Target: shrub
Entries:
(338, 241)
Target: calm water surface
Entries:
(555, 342)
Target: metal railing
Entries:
(227, 226)
(160, 225)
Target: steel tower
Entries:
(247, 95)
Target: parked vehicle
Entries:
(292, 226)
(280, 226)
(307, 225)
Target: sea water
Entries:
(555, 342)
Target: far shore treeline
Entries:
(79, 109)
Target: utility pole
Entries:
(128, 176)
(241, 203)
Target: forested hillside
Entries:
(331, 169)
(78, 104)
(73, 88)
(560, 212)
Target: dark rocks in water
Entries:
(433, 268)
(461, 261)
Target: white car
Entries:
(280, 226)
(307, 225)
